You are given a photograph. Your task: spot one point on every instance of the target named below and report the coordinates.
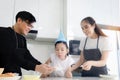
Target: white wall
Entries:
(40, 50)
(112, 62)
(6, 12)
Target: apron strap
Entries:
(86, 42)
(97, 42)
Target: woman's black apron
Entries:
(95, 55)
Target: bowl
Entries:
(1, 70)
(31, 77)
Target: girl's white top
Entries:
(60, 65)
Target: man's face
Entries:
(24, 26)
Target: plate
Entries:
(10, 78)
(107, 76)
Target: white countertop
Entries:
(77, 78)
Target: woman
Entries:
(94, 50)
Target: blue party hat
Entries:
(61, 37)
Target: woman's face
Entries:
(87, 28)
(61, 50)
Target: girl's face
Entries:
(87, 28)
(61, 50)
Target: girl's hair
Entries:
(65, 43)
(61, 42)
(97, 29)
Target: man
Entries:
(13, 50)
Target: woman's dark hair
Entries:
(65, 43)
(97, 29)
(25, 16)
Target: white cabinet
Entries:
(116, 12)
(6, 12)
(103, 11)
(50, 18)
(49, 15)
(27, 5)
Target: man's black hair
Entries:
(25, 16)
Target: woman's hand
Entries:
(87, 65)
(68, 73)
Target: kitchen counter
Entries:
(33, 77)
(77, 78)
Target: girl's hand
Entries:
(68, 73)
(87, 65)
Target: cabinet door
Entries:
(27, 5)
(6, 12)
(50, 17)
(103, 11)
(48, 14)
(116, 12)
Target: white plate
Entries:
(107, 76)
(10, 78)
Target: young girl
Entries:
(94, 50)
(60, 60)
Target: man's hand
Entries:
(44, 68)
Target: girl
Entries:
(60, 60)
(94, 50)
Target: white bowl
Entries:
(31, 77)
(10, 78)
(1, 70)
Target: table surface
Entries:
(78, 78)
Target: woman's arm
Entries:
(88, 64)
(68, 73)
(79, 62)
(103, 60)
